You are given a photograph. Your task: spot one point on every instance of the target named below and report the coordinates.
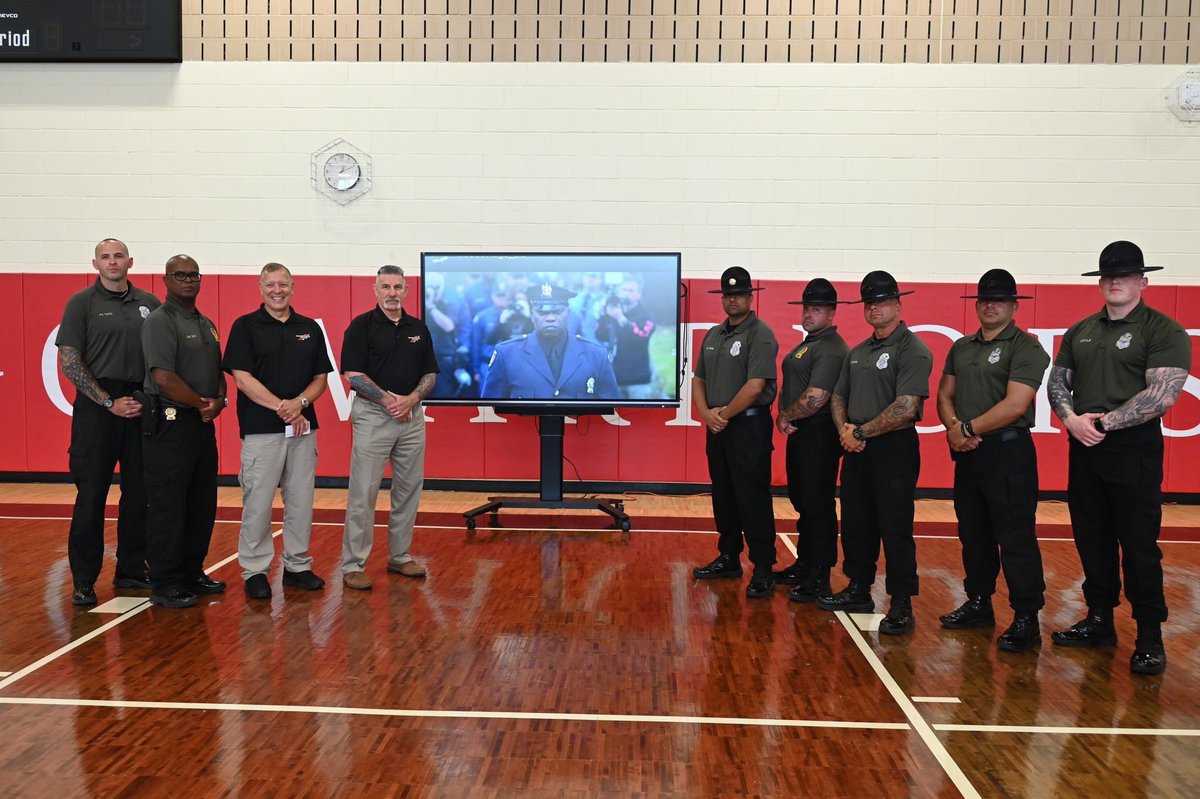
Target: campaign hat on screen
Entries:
(997, 284)
(735, 280)
(878, 285)
(819, 291)
(547, 298)
(1121, 258)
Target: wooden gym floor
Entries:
(550, 657)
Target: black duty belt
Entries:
(755, 410)
(1007, 434)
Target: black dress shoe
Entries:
(724, 566)
(761, 584)
(1095, 630)
(174, 597)
(1022, 635)
(1148, 658)
(975, 612)
(206, 585)
(257, 587)
(817, 585)
(899, 618)
(305, 579)
(795, 574)
(855, 597)
(84, 594)
(132, 579)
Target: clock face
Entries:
(342, 171)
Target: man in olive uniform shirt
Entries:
(732, 390)
(187, 390)
(876, 404)
(985, 400)
(1116, 374)
(810, 372)
(100, 351)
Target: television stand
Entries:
(551, 483)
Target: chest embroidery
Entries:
(882, 363)
(994, 357)
(144, 311)
(736, 348)
(800, 353)
(413, 339)
(1124, 340)
(303, 336)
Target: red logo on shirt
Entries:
(303, 336)
(413, 339)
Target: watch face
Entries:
(342, 171)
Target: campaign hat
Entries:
(819, 291)
(1121, 258)
(878, 285)
(736, 280)
(997, 284)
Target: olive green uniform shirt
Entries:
(730, 357)
(186, 343)
(815, 362)
(877, 371)
(1110, 357)
(983, 369)
(106, 329)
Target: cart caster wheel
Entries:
(625, 526)
(620, 506)
(470, 524)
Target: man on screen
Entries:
(550, 364)
(626, 327)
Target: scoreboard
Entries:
(91, 30)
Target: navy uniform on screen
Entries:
(550, 363)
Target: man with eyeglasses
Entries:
(876, 405)
(279, 362)
(186, 391)
(985, 400)
(1116, 374)
(100, 352)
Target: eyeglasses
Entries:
(186, 277)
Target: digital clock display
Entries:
(91, 30)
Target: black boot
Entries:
(975, 612)
(1095, 630)
(795, 574)
(84, 594)
(761, 583)
(1149, 656)
(817, 585)
(1023, 634)
(899, 618)
(855, 597)
(723, 566)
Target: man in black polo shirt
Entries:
(187, 389)
(732, 390)
(388, 358)
(1116, 374)
(100, 352)
(279, 361)
(985, 400)
(810, 372)
(876, 403)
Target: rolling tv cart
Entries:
(551, 483)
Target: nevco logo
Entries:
(9, 15)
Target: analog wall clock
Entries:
(341, 171)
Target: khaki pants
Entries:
(269, 461)
(379, 439)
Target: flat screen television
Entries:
(554, 332)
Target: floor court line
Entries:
(1114, 731)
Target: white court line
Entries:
(5, 673)
(457, 714)
(910, 711)
(937, 700)
(1145, 731)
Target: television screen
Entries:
(559, 330)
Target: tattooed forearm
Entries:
(899, 414)
(425, 385)
(808, 403)
(837, 408)
(1162, 390)
(1058, 387)
(367, 389)
(70, 360)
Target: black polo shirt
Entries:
(185, 342)
(395, 355)
(815, 362)
(878, 370)
(283, 356)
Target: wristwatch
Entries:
(858, 433)
(1098, 423)
(304, 403)
(108, 403)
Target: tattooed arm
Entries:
(812, 400)
(366, 388)
(900, 413)
(1059, 387)
(70, 360)
(1163, 385)
(841, 423)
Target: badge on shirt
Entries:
(994, 358)
(144, 311)
(1123, 341)
(169, 414)
(883, 361)
(591, 385)
(800, 353)
(736, 348)
(216, 338)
